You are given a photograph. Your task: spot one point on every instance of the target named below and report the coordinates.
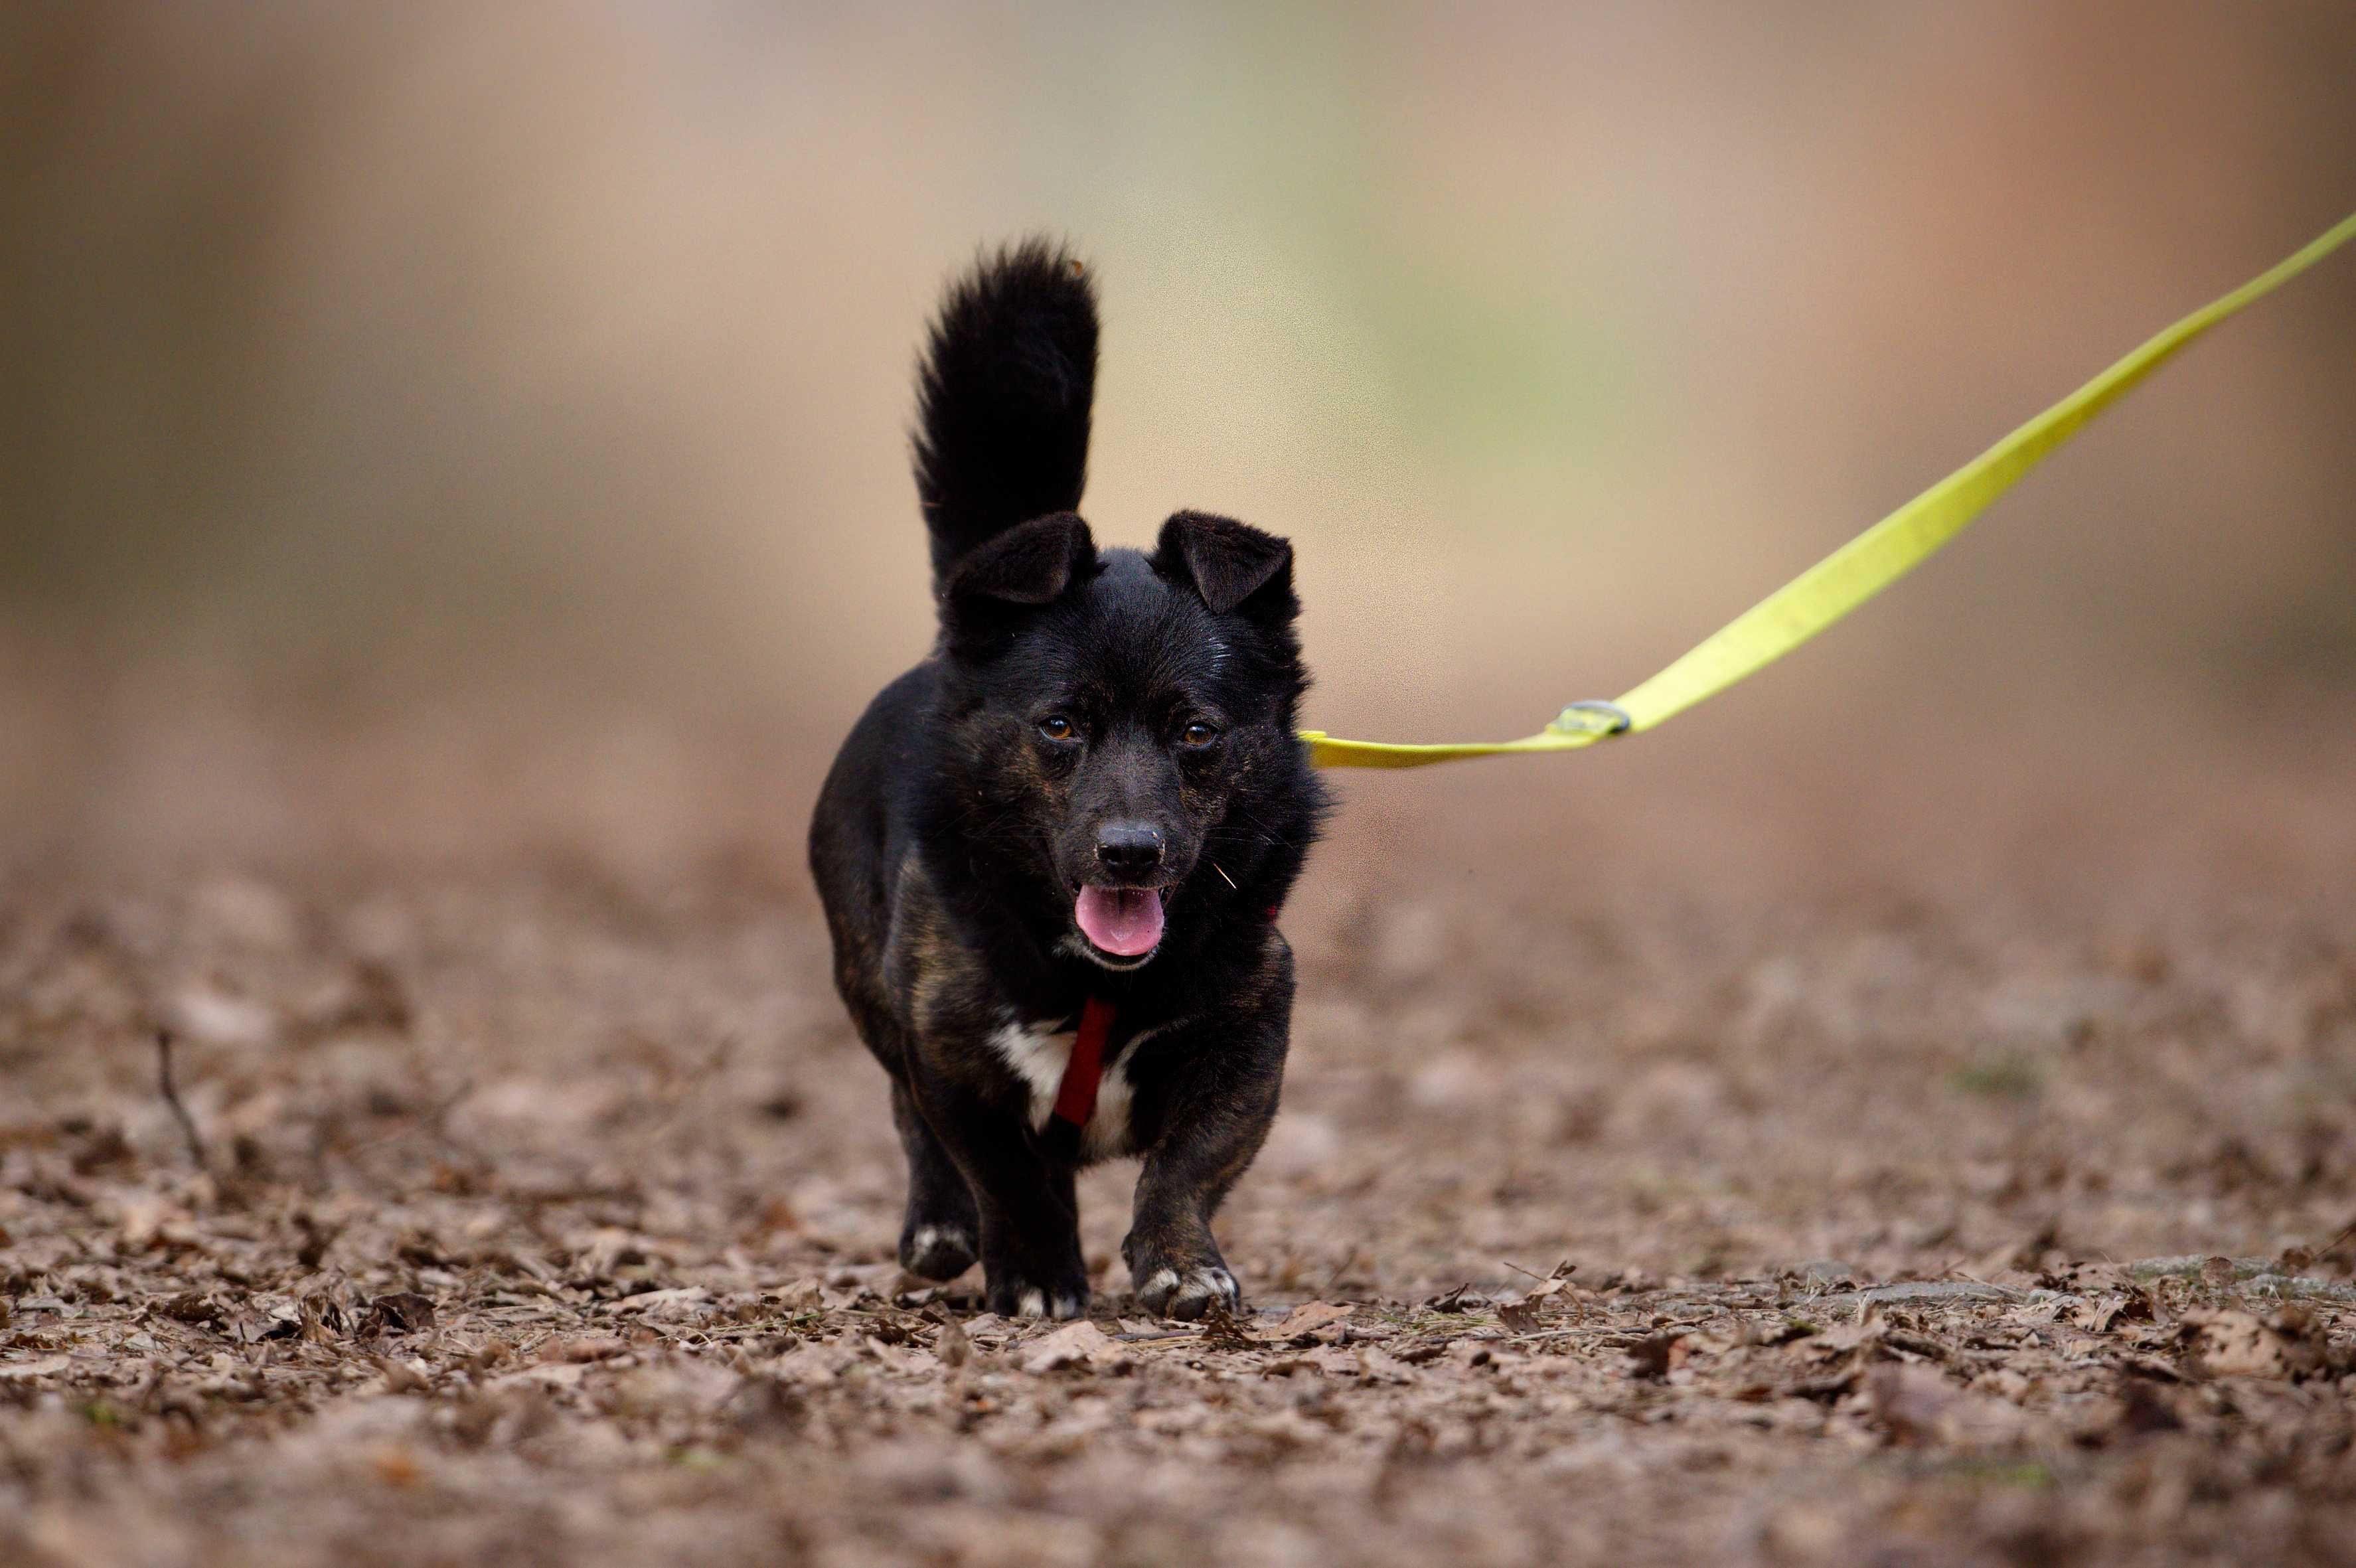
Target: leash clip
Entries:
(1594, 717)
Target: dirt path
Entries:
(545, 1209)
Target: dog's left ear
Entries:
(1232, 564)
(1030, 563)
(1000, 582)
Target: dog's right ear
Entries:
(1029, 564)
(1231, 565)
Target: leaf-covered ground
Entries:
(528, 1208)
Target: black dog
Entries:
(1052, 854)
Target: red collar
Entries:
(1076, 1097)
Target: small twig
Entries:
(172, 1098)
(2346, 1231)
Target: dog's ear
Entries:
(1232, 564)
(1029, 564)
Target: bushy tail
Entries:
(1002, 398)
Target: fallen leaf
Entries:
(1521, 1316)
(404, 1311)
(191, 1308)
(2097, 1313)
(46, 1367)
(2232, 1344)
(1308, 1318)
(583, 1348)
(683, 1303)
(1222, 1332)
(1074, 1345)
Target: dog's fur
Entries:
(1086, 715)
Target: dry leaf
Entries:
(404, 1311)
(45, 1367)
(1076, 1344)
(2289, 1344)
(1521, 1316)
(1308, 1318)
(1222, 1331)
(2232, 1344)
(583, 1348)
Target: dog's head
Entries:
(1122, 724)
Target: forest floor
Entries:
(527, 1205)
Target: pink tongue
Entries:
(1125, 921)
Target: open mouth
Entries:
(1121, 922)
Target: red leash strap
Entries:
(1076, 1097)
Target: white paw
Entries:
(930, 1237)
(938, 1251)
(1032, 1302)
(1189, 1295)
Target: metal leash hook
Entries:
(1582, 718)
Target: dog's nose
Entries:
(1128, 849)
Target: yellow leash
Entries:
(1851, 575)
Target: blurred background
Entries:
(453, 499)
(425, 425)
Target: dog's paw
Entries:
(1020, 1297)
(938, 1251)
(1188, 1294)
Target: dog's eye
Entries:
(1055, 726)
(1198, 735)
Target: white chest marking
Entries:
(1039, 1054)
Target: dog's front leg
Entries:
(1031, 1264)
(1219, 1107)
